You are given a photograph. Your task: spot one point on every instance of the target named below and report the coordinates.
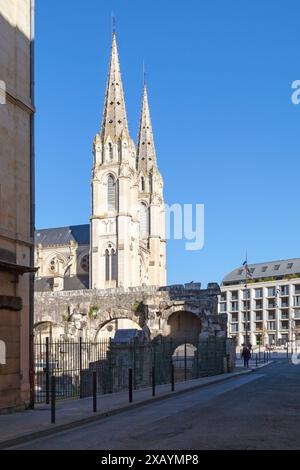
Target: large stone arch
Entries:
(181, 326)
(120, 314)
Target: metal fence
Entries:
(161, 360)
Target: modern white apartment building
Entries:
(269, 300)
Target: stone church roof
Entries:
(63, 235)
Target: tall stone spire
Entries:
(145, 149)
(114, 122)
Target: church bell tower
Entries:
(127, 221)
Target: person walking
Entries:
(246, 355)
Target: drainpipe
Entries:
(32, 210)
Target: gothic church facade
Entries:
(124, 244)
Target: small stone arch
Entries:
(181, 326)
(46, 328)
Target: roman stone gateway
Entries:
(177, 312)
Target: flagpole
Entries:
(246, 313)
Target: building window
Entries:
(258, 293)
(285, 314)
(258, 316)
(110, 151)
(223, 296)
(234, 295)
(234, 317)
(234, 328)
(297, 301)
(111, 193)
(246, 294)
(144, 221)
(284, 290)
(276, 267)
(110, 264)
(271, 303)
(264, 268)
(284, 325)
(258, 305)
(297, 313)
(285, 302)
(290, 265)
(272, 315)
(113, 265)
(271, 291)
(107, 270)
(234, 306)
(271, 325)
(223, 307)
(297, 289)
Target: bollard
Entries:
(47, 372)
(256, 360)
(53, 396)
(130, 384)
(172, 378)
(153, 381)
(228, 362)
(94, 391)
(264, 357)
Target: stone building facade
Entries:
(16, 201)
(267, 308)
(127, 246)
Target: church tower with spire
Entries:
(128, 219)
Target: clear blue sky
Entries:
(227, 135)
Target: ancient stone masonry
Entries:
(173, 311)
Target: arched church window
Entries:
(113, 265)
(107, 270)
(110, 151)
(111, 193)
(143, 183)
(144, 220)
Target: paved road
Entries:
(257, 411)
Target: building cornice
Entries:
(26, 107)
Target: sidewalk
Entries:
(19, 427)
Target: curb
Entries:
(101, 415)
